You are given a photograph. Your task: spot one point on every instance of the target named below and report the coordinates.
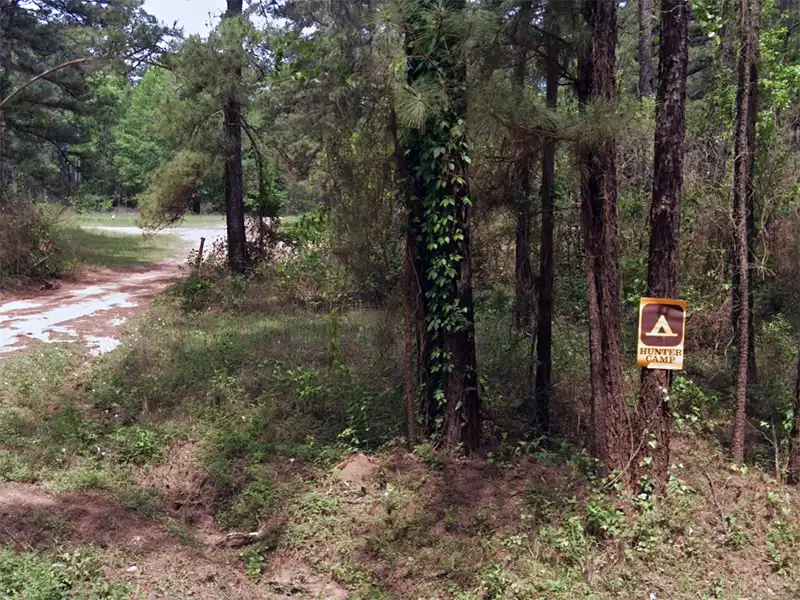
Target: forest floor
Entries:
(227, 410)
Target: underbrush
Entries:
(43, 242)
(256, 415)
(60, 575)
(34, 243)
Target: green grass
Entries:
(61, 575)
(117, 251)
(131, 219)
(268, 398)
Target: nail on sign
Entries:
(662, 327)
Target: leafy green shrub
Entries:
(66, 576)
(136, 444)
(255, 500)
(69, 427)
(34, 242)
(195, 293)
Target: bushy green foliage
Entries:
(66, 575)
(141, 137)
(34, 243)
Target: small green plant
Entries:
(782, 546)
(255, 500)
(195, 293)
(603, 518)
(136, 444)
(67, 575)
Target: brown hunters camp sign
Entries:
(662, 327)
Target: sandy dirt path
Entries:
(89, 312)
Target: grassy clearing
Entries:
(131, 219)
(118, 251)
(252, 415)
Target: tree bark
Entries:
(544, 324)
(600, 217)
(665, 223)
(793, 468)
(234, 175)
(5, 90)
(462, 421)
(743, 162)
(645, 51)
(439, 192)
(411, 300)
(521, 186)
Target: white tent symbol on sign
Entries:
(662, 328)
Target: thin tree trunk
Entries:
(521, 187)
(544, 325)
(411, 299)
(744, 145)
(5, 89)
(645, 52)
(600, 217)
(234, 175)
(665, 222)
(408, 338)
(793, 468)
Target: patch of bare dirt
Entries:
(27, 513)
(357, 469)
(181, 480)
(143, 553)
(290, 577)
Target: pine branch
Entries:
(45, 74)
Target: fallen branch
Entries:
(239, 539)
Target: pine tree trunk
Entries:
(521, 187)
(600, 217)
(645, 51)
(744, 156)
(544, 326)
(665, 223)
(439, 192)
(462, 421)
(793, 468)
(234, 175)
(5, 89)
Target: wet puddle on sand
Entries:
(92, 312)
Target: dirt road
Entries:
(90, 312)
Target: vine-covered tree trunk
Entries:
(521, 186)
(544, 322)
(436, 161)
(645, 50)
(234, 174)
(743, 162)
(665, 223)
(600, 217)
(793, 468)
(5, 89)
